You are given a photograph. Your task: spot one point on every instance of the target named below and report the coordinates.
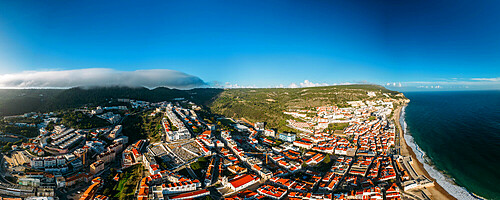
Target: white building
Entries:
(269, 133)
(260, 126)
(49, 162)
(37, 162)
(185, 186)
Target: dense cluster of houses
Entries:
(178, 117)
(254, 163)
(319, 118)
(361, 162)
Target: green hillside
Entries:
(14, 102)
(20, 101)
(268, 104)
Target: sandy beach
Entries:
(436, 192)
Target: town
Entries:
(348, 152)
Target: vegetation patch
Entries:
(125, 187)
(24, 131)
(337, 126)
(143, 126)
(81, 120)
(199, 165)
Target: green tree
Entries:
(327, 158)
(50, 126)
(6, 148)
(195, 166)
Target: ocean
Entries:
(457, 134)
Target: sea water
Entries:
(457, 137)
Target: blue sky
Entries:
(448, 45)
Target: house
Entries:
(288, 137)
(96, 167)
(241, 182)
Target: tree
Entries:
(107, 191)
(304, 165)
(6, 148)
(50, 126)
(11, 179)
(327, 158)
(195, 166)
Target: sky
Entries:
(403, 45)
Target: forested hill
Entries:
(18, 101)
(13, 102)
(78, 96)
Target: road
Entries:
(215, 171)
(72, 191)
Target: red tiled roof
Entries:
(242, 180)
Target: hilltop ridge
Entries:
(255, 104)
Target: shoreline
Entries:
(436, 192)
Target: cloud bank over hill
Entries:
(92, 77)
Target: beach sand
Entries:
(436, 192)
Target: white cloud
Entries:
(100, 77)
(229, 85)
(462, 81)
(450, 84)
(430, 86)
(293, 85)
(486, 79)
(394, 84)
(308, 83)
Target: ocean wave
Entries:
(444, 181)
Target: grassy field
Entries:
(337, 126)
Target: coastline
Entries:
(436, 192)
